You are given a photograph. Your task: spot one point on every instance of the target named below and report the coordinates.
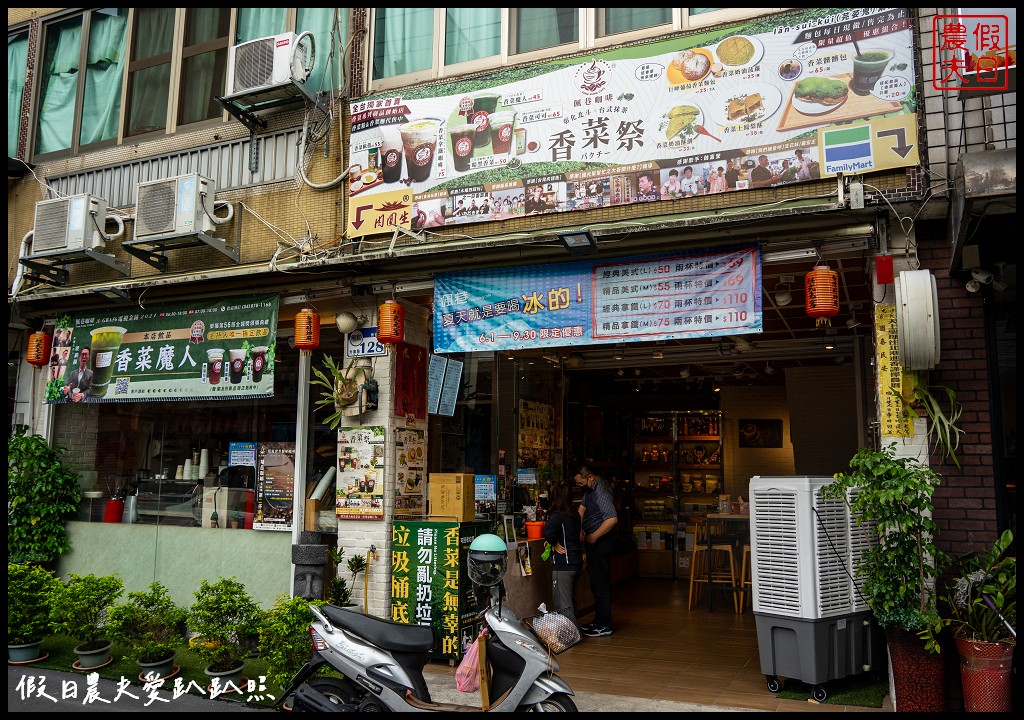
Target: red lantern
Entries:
(39, 349)
(390, 322)
(307, 329)
(821, 294)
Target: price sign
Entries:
(363, 343)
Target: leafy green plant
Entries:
(343, 387)
(982, 599)
(923, 400)
(225, 617)
(42, 494)
(284, 637)
(148, 623)
(29, 590)
(80, 607)
(895, 494)
(339, 591)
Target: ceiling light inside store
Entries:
(621, 372)
(658, 355)
(769, 369)
(783, 296)
(684, 371)
(636, 371)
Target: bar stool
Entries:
(746, 580)
(723, 567)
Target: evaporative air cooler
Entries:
(812, 623)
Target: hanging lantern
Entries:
(39, 349)
(821, 294)
(390, 322)
(307, 329)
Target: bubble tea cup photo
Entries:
(419, 140)
(868, 67)
(391, 153)
(259, 362)
(462, 138)
(106, 341)
(502, 126)
(214, 365)
(237, 358)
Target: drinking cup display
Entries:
(502, 126)
(419, 140)
(391, 153)
(355, 173)
(462, 138)
(520, 141)
(106, 341)
(259, 361)
(237, 358)
(867, 69)
(484, 104)
(215, 365)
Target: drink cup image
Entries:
(237, 358)
(106, 341)
(215, 365)
(502, 128)
(391, 153)
(484, 104)
(868, 67)
(259, 362)
(419, 140)
(462, 138)
(520, 141)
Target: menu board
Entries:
(410, 471)
(275, 486)
(435, 377)
(450, 388)
(360, 492)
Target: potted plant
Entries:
(340, 593)
(79, 609)
(284, 637)
(345, 388)
(150, 624)
(224, 618)
(29, 588)
(922, 401)
(893, 496)
(42, 495)
(982, 603)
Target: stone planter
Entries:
(157, 670)
(24, 654)
(227, 681)
(91, 659)
(986, 672)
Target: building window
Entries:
(464, 40)
(17, 55)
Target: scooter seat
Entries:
(396, 637)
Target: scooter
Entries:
(381, 662)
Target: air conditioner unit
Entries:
(269, 61)
(69, 224)
(174, 207)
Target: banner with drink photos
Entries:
(780, 100)
(360, 493)
(214, 349)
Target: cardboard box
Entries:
(452, 495)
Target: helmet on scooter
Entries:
(487, 560)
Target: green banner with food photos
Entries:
(215, 349)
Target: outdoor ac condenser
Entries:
(266, 62)
(174, 207)
(812, 623)
(69, 224)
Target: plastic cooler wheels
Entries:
(773, 683)
(819, 693)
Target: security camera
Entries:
(982, 276)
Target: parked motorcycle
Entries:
(382, 661)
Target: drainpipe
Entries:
(301, 434)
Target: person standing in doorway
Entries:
(598, 518)
(562, 531)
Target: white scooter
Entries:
(382, 662)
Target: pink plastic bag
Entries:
(467, 676)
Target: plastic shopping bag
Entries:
(467, 676)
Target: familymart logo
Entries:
(847, 150)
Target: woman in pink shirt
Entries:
(717, 182)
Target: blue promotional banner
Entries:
(692, 294)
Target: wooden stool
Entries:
(723, 567)
(746, 580)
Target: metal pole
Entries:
(301, 434)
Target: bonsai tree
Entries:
(284, 637)
(339, 592)
(80, 607)
(225, 617)
(42, 494)
(149, 624)
(29, 588)
(895, 493)
(982, 598)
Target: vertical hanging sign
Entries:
(425, 580)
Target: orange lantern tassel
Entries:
(391, 322)
(39, 344)
(307, 329)
(821, 294)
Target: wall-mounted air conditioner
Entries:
(269, 61)
(69, 225)
(174, 207)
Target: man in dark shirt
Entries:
(762, 175)
(732, 174)
(598, 519)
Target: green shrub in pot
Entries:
(224, 617)
(80, 607)
(149, 623)
(982, 597)
(284, 637)
(29, 591)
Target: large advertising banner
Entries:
(782, 100)
(657, 297)
(219, 349)
(425, 575)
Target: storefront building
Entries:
(598, 225)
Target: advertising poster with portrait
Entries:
(275, 486)
(410, 472)
(360, 493)
(779, 100)
(221, 349)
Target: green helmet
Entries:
(487, 560)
